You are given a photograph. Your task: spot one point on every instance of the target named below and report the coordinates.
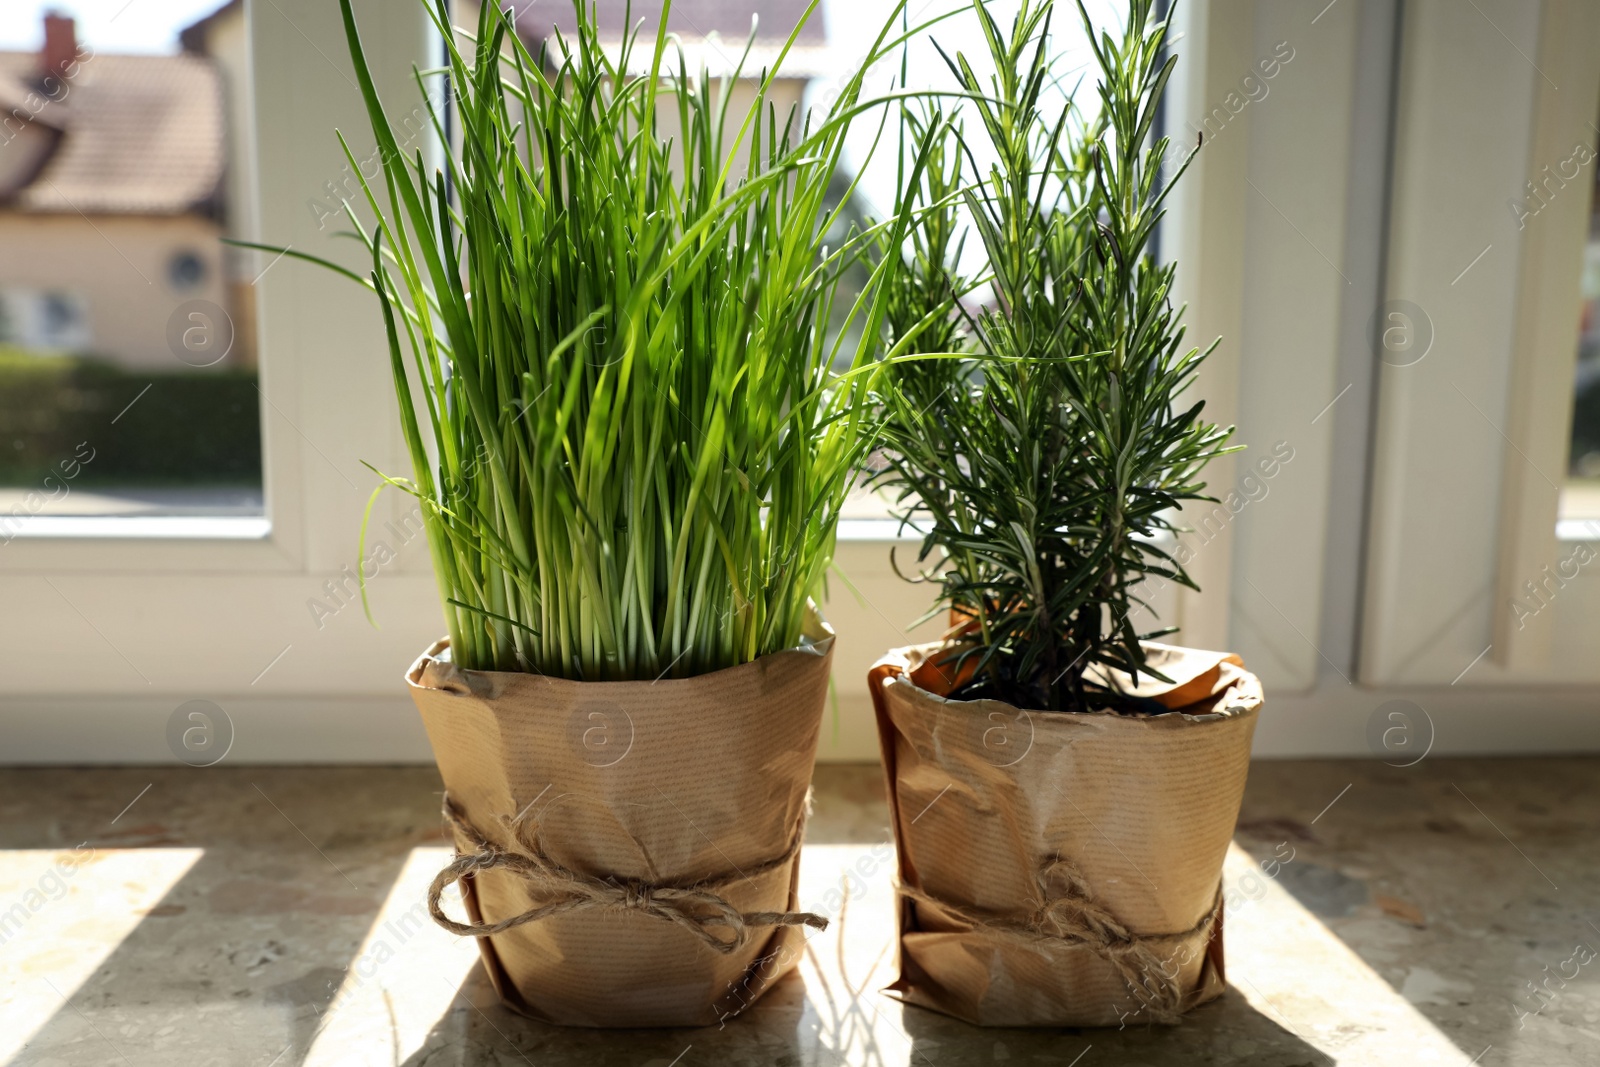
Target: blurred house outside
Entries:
(119, 174)
(222, 37)
(127, 329)
(711, 34)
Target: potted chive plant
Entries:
(630, 437)
(1063, 788)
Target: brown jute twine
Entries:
(698, 908)
(1074, 917)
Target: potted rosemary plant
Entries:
(630, 440)
(1063, 788)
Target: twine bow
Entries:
(1073, 916)
(700, 909)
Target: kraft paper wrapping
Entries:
(670, 783)
(1140, 808)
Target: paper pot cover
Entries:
(659, 790)
(1063, 869)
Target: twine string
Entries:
(1072, 915)
(700, 909)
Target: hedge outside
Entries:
(200, 427)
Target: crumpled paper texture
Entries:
(670, 782)
(982, 795)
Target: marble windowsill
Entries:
(272, 916)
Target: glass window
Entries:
(1580, 496)
(127, 341)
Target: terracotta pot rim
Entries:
(1232, 711)
(1243, 698)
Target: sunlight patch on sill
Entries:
(1291, 967)
(403, 978)
(62, 914)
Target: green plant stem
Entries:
(626, 428)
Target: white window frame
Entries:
(1275, 232)
(1451, 549)
(111, 624)
(1288, 242)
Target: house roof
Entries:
(140, 135)
(193, 37)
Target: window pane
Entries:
(127, 328)
(1580, 497)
